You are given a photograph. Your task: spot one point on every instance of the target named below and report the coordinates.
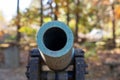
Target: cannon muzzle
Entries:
(55, 43)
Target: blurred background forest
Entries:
(96, 28)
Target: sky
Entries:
(9, 7)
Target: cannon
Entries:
(56, 58)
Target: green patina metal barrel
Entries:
(55, 43)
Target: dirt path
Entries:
(13, 74)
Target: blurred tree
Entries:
(2, 24)
(68, 12)
(56, 12)
(1, 17)
(41, 14)
(30, 16)
(18, 23)
(77, 3)
(28, 31)
(113, 22)
(81, 16)
(50, 2)
(117, 12)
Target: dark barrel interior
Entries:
(55, 38)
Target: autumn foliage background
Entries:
(95, 25)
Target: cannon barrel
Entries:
(55, 43)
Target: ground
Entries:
(13, 74)
(105, 65)
(99, 67)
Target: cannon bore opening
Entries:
(55, 38)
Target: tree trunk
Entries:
(52, 13)
(56, 12)
(68, 17)
(77, 21)
(98, 14)
(18, 23)
(41, 20)
(113, 25)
